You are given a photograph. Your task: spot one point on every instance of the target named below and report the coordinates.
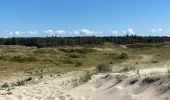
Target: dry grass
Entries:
(39, 61)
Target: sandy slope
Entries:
(104, 89)
(100, 87)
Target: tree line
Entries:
(71, 41)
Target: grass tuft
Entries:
(103, 68)
(127, 68)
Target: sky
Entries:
(32, 18)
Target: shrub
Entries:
(154, 61)
(20, 83)
(123, 56)
(23, 82)
(78, 64)
(74, 56)
(28, 79)
(102, 68)
(5, 85)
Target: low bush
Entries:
(154, 61)
(78, 64)
(23, 82)
(123, 56)
(103, 68)
(5, 85)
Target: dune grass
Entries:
(39, 61)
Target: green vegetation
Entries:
(23, 82)
(144, 45)
(5, 85)
(86, 76)
(86, 41)
(33, 61)
(128, 67)
(123, 56)
(120, 77)
(103, 68)
(17, 83)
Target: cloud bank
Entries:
(83, 32)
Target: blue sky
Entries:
(84, 17)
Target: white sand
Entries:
(99, 87)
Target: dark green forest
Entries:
(71, 41)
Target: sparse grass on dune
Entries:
(38, 61)
(27, 60)
(160, 52)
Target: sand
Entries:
(100, 87)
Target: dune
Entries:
(101, 87)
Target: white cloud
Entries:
(33, 32)
(115, 32)
(15, 33)
(52, 32)
(61, 32)
(86, 32)
(19, 33)
(129, 31)
(156, 30)
(153, 30)
(160, 29)
(83, 32)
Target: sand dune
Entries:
(100, 87)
